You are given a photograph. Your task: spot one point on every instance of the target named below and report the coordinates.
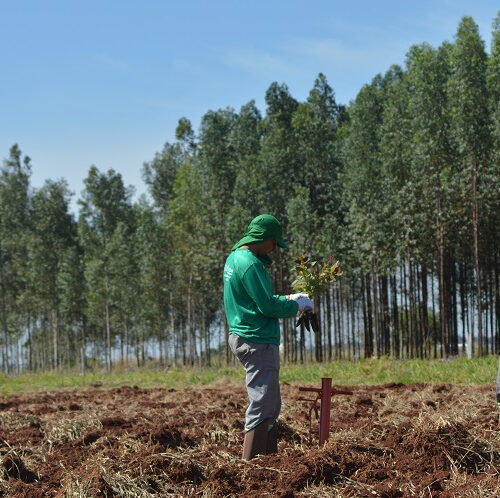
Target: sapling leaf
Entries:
(313, 277)
(306, 321)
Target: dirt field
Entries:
(386, 441)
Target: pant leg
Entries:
(261, 363)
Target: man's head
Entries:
(263, 233)
(262, 248)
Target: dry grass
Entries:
(68, 428)
(15, 420)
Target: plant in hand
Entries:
(313, 278)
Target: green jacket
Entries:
(252, 310)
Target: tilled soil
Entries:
(385, 441)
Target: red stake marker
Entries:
(324, 417)
(324, 396)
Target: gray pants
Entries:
(262, 366)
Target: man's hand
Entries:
(303, 300)
(294, 297)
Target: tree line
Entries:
(402, 186)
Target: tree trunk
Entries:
(338, 326)
(345, 318)
(454, 312)
(317, 335)
(183, 341)
(353, 317)
(395, 317)
(329, 322)
(83, 362)
(461, 289)
(376, 314)
(285, 341)
(475, 229)
(108, 340)
(5, 331)
(136, 344)
(302, 344)
(367, 315)
(55, 338)
(412, 314)
(126, 344)
(425, 313)
(384, 299)
(496, 302)
(407, 335)
(420, 343)
(30, 352)
(190, 321)
(442, 307)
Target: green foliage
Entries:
(314, 277)
(159, 174)
(14, 234)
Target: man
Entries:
(252, 312)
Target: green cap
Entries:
(262, 228)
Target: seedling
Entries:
(313, 278)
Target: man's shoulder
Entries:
(241, 260)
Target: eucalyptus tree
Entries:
(185, 135)
(14, 225)
(276, 174)
(427, 75)
(72, 305)
(493, 176)
(362, 182)
(398, 224)
(154, 259)
(314, 126)
(277, 168)
(246, 137)
(216, 168)
(493, 66)
(124, 278)
(300, 213)
(216, 165)
(53, 232)
(155, 254)
(190, 246)
(104, 204)
(469, 112)
(159, 174)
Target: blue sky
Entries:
(105, 82)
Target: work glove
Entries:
(294, 297)
(303, 300)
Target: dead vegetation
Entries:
(387, 441)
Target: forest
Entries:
(401, 185)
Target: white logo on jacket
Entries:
(228, 272)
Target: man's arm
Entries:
(258, 285)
